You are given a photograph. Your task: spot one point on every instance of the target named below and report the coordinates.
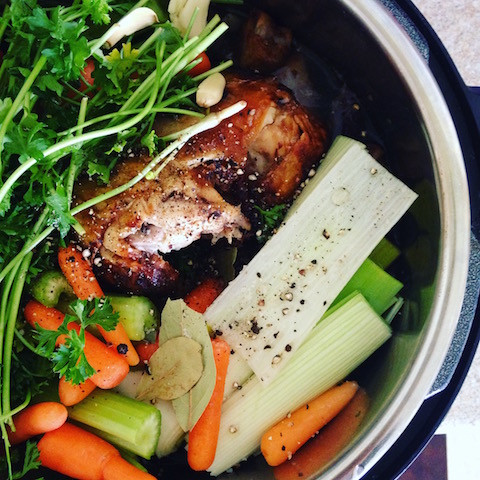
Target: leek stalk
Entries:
(343, 212)
(336, 346)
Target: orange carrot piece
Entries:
(203, 295)
(328, 443)
(145, 350)
(37, 419)
(80, 276)
(202, 439)
(281, 441)
(110, 367)
(71, 394)
(202, 66)
(117, 468)
(75, 452)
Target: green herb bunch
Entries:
(57, 123)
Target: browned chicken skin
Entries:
(267, 149)
(260, 155)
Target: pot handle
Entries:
(473, 97)
(465, 321)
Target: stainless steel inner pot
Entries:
(390, 75)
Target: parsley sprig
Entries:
(69, 358)
(27, 461)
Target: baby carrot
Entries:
(79, 274)
(37, 419)
(145, 350)
(203, 295)
(117, 468)
(71, 394)
(202, 439)
(328, 443)
(281, 441)
(110, 367)
(75, 452)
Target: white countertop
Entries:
(457, 23)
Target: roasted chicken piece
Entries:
(131, 231)
(264, 152)
(259, 156)
(265, 45)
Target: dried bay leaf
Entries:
(178, 319)
(175, 368)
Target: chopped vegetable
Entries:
(70, 394)
(281, 441)
(37, 419)
(203, 437)
(203, 295)
(120, 469)
(79, 454)
(335, 347)
(327, 443)
(145, 350)
(278, 297)
(375, 284)
(127, 423)
(201, 65)
(172, 434)
(49, 286)
(138, 315)
(385, 253)
(79, 274)
(89, 357)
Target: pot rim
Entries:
(454, 205)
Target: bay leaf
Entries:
(178, 319)
(175, 368)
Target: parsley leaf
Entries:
(25, 460)
(69, 358)
(98, 311)
(98, 10)
(28, 138)
(60, 218)
(270, 219)
(67, 49)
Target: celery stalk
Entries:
(172, 433)
(138, 315)
(129, 424)
(335, 347)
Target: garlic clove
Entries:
(134, 21)
(181, 12)
(210, 91)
